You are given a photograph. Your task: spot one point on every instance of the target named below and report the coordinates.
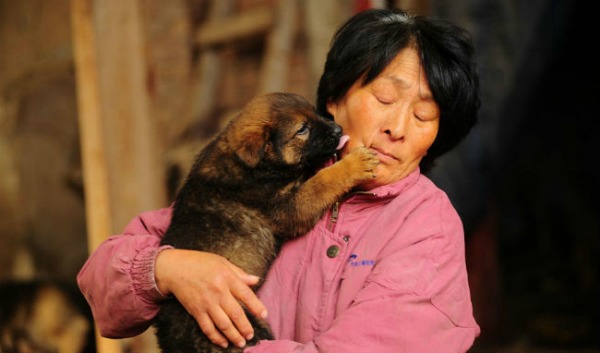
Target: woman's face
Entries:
(394, 115)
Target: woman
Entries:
(384, 271)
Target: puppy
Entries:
(254, 186)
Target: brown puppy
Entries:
(253, 187)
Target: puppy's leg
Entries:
(321, 191)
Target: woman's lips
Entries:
(383, 156)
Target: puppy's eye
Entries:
(303, 130)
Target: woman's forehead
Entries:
(405, 71)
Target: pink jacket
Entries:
(382, 272)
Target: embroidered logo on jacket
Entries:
(355, 262)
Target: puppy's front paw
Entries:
(360, 164)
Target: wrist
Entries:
(142, 274)
(161, 279)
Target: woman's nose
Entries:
(395, 125)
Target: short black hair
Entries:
(363, 47)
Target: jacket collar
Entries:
(391, 190)
(385, 191)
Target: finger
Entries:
(237, 315)
(244, 276)
(209, 329)
(223, 323)
(248, 297)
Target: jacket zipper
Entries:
(335, 210)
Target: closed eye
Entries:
(385, 101)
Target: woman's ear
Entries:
(332, 108)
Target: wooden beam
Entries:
(121, 151)
(204, 79)
(321, 20)
(235, 27)
(94, 163)
(91, 131)
(134, 147)
(280, 42)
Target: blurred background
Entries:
(104, 103)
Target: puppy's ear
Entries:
(252, 142)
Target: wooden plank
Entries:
(167, 30)
(280, 42)
(235, 27)
(205, 78)
(90, 125)
(134, 148)
(121, 151)
(321, 20)
(94, 163)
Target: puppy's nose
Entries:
(337, 129)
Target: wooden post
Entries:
(123, 173)
(276, 62)
(90, 125)
(320, 23)
(94, 164)
(205, 78)
(134, 149)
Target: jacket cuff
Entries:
(142, 274)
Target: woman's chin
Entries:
(370, 185)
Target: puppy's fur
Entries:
(251, 188)
(39, 316)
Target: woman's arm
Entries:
(118, 278)
(210, 288)
(129, 275)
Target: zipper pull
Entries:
(334, 215)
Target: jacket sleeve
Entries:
(117, 279)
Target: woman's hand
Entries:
(211, 289)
